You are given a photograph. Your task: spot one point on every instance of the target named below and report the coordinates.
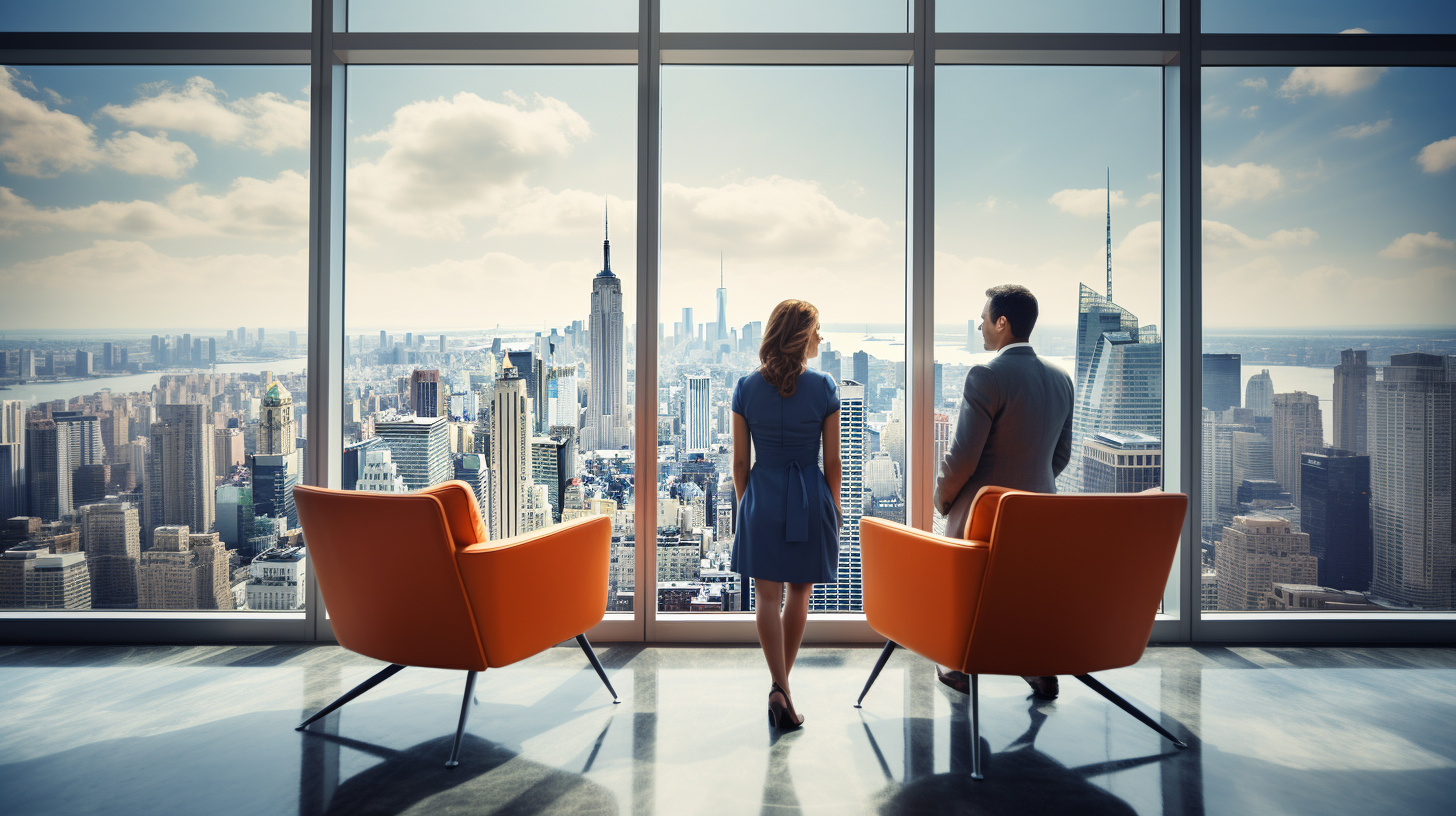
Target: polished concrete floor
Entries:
(209, 730)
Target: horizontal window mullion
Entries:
(149, 48)
(1329, 49)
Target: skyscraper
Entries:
(1353, 379)
(33, 577)
(1298, 429)
(180, 468)
(1410, 436)
(847, 593)
(607, 378)
(1121, 462)
(1258, 551)
(510, 452)
(1097, 315)
(722, 324)
(14, 486)
(112, 533)
(1259, 394)
(1221, 381)
(274, 477)
(48, 468)
(862, 368)
(420, 448)
(379, 474)
(425, 397)
(1218, 485)
(697, 433)
(275, 421)
(1336, 514)
(1121, 392)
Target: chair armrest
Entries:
(461, 512)
(984, 507)
(921, 589)
(532, 591)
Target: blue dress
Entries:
(788, 526)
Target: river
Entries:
(34, 393)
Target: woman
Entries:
(787, 531)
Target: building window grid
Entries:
(1184, 46)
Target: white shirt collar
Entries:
(1005, 348)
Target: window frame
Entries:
(1181, 51)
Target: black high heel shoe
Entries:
(782, 715)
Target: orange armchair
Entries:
(410, 579)
(1041, 585)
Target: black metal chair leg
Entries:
(879, 665)
(464, 713)
(384, 674)
(597, 664)
(976, 728)
(1096, 686)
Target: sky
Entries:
(155, 197)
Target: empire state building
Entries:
(607, 397)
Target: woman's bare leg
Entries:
(771, 629)
(796, 616)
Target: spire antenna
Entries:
(720, 269)
(1109, 233)
(606, 240)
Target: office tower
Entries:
(1121, 462)
(425, 397)
(85, 363)
(882, 475)
(1336, 514)
(1256, 552)
(528, 364)
(180, 468)
(242, 336)
(18, 530)
(292, 339)
(27, 364)
(547, 459)
(942, 430)
(419, 447)
(1122, 392)
(184, 350)
(13, 498)
(275, 421)
(1221, 381)
(562, 402)
(1096, 315)
(380, 474)
(510, 452)
(832, 363)
(1218, 483)
(228, 450)
(1259, 394)
(862, 367)
(722, 322)
(214, 571)
(607, 426)
(474, 470)
(276, 580)
(1353, 380)
(689, 326)
(1410, 436)
(698, 401)
(112, 533)
(353, 461)
(167, 575)
(1298, 428)
(462, 437)
(938, 395)
(235, 516)
(1253, 459)
(156, 348)
(48, 468)
(33, 577)
(88, 447)
(261, 334)
(122, 361)
(89, 484)
(846, 593)
(108, 356)
(383, 340)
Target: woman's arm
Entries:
(742, 454)
(833, 467)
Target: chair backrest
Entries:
(1073, 582)
(385, 564)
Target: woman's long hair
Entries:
(785, 345)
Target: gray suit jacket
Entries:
(1014, 430)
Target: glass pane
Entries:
(154, 15)
(1329, 272)
(155, 304)
(489, 324)
(1074, 215)
(1069, 16)
(493, 15)
(777, 183)
(1330, 16)
(873, 16)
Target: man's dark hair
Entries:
(1017, 304)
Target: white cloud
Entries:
(1251, 112)
(250, 208)
(1149, 198)
(44, 143)
(991, 204)
(773, 217)
(1142, 243)
(1438, 157)
(1086, 203)
(1225, 185)
(1257, 83)
(266, 122)
(131, 271)
(1260, 293)
(1340, 80)
(452, 159)
(1363, 129)
(1221, 240)
(1414, 245)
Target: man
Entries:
(1014, 430)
